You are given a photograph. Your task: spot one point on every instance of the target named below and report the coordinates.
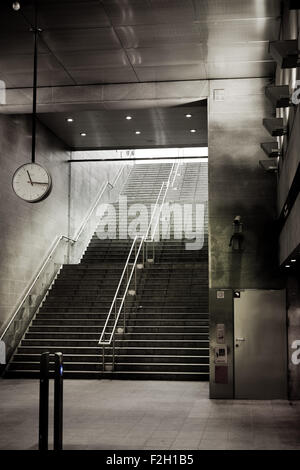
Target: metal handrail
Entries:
(28, 289)
(102, 342)
(151, 239)
(116, 294)
(111, 339)
(102, 190)
(143, 238)
(54, 245)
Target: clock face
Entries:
(31, 182)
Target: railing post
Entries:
(143, 253)
(113, 358)
(103, 358)
(58, 401)
(124, 316)
(44, 402)
(113, 351)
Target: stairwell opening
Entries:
(167, 320)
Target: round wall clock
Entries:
(31, 182)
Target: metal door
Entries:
(260, 344)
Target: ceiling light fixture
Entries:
(287, 266)
(188, 115)
(137, 132)
(83, 134)
(16, 6)
(293, 260)
(128, 118)
(69, 119)
(192, 131)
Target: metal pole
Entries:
(44, 402)
(113, 351)
(103, 358)
(135, 261)
(124, 317)
(58, 401)
(36, 31)
(113, 358)
(143, 254)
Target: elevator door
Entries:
(260, 344)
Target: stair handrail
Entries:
(124, 272)
(53, 247)
(101, 192)
(107, 342)
(167, 183)
(28, 289)
(102, 340)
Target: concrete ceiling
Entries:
(121, 41)
(85, 43)
(162, 127)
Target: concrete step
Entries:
(131, 325)
(120, 350)
(119, 342)
(128, 335)
(120, 375)
(133, 358)
(119, 366)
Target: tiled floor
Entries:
(148, 415)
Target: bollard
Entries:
(44, 402)
(58, 401)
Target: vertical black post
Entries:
(34, 85)
(44, 402)
(58, 401)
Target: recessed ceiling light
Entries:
(293, 260)
(193, 130)
(83, 134)
(287, 266)
(69, 119)
(137, 132)
(128, 118)
(188, 115)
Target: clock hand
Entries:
(38, 182)
(29, 178)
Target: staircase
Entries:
(166, 334)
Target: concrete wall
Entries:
(289, 238)
(293, 303)
(27, 231)
(86, 182)
(290, 235)
(290, 162)
(239, 186)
